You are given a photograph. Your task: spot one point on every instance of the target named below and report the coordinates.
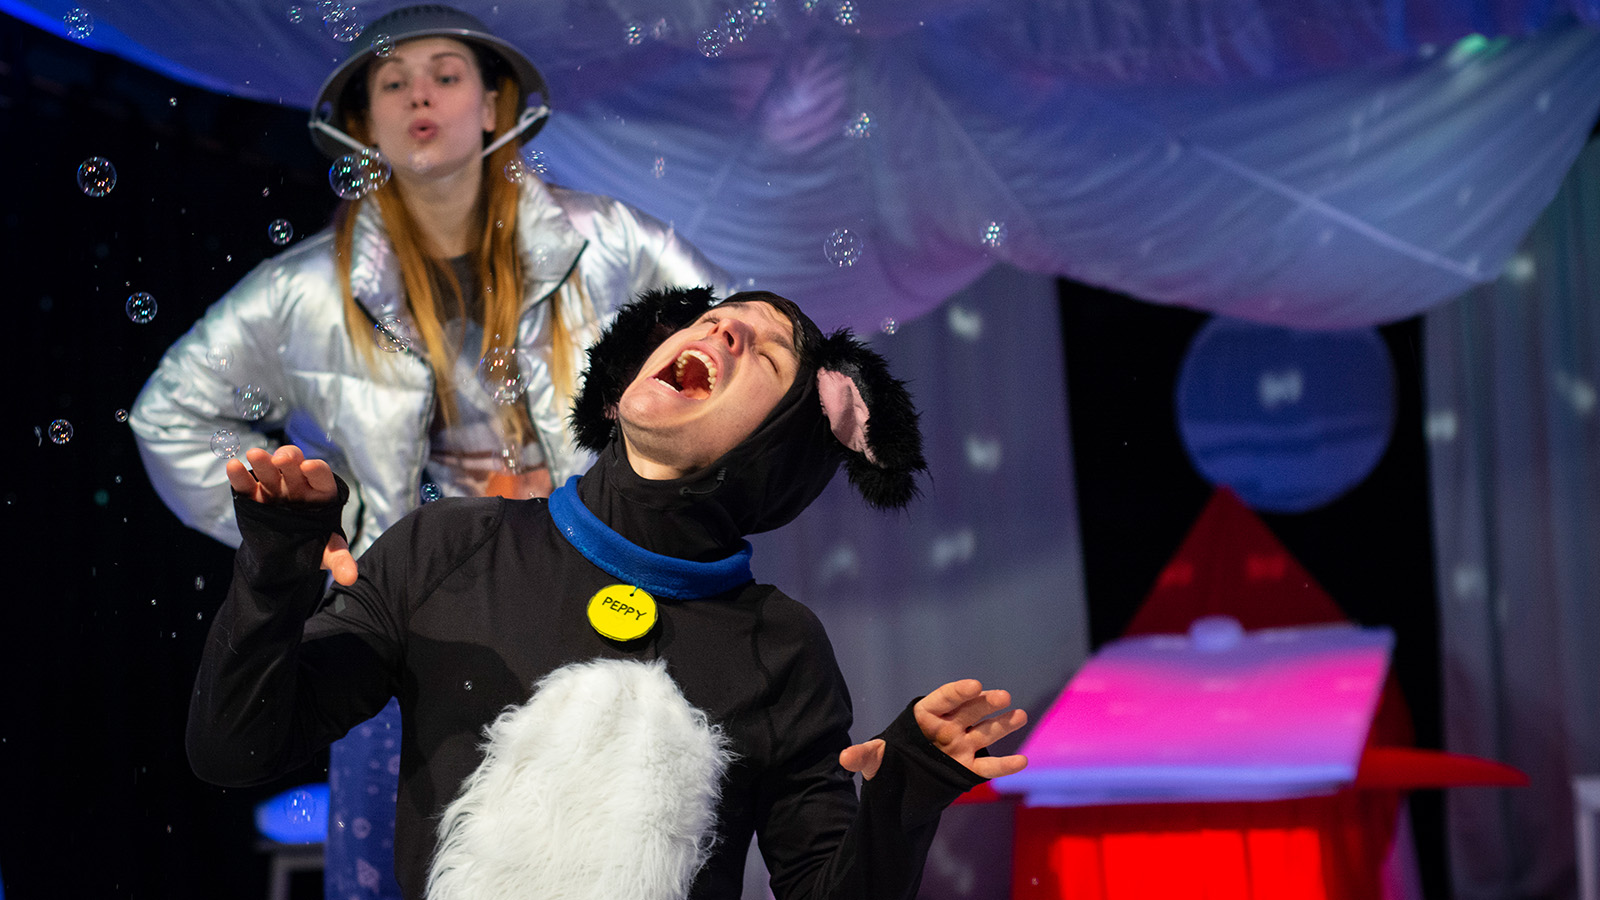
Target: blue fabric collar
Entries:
(665, 576)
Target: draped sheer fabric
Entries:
(1514, 460)
(1314, 164)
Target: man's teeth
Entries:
(711, 367)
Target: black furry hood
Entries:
(775, 473)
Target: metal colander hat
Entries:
(404, 24)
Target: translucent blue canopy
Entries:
(1312, 163)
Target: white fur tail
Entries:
(603, 786)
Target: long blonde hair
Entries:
(432, 292)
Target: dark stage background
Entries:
(109, 596)
(1138, 496)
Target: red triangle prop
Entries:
(1231, 565)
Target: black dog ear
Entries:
(872, 416)
(627, 342)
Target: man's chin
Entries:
(662, 454)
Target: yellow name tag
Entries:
(622, 612)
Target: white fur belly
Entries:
(603, 786)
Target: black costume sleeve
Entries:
(884, 849)
(272, 688)
(819, 841)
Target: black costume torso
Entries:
(464, 605)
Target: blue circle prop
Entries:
(1290, 420)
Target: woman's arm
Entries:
(195, 393)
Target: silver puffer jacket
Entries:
(280, 335)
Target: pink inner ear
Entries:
(846, 411)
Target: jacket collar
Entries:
(546, 240)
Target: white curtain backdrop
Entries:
(982, 577)
(1512, 373)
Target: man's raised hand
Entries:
(286, 476)
(960, 718)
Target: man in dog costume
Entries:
(599, 701)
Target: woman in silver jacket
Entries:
(426, 344)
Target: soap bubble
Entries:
(735, 24)
(516, 171)
(219, 358)
(890, 326)
(141, 307)
(393, 334)
(358, 174)
(845, 14)
(60, 431)
(712, 42)
(120, 415)
(859, 127)
(303, 808)
(546, 264)
(97, 176)
(382, 45)
(633, 34)
(659, 168)
(994, 234)
(280, 232)
(430, 492)
(535, 163)
(758, 11)
(842, 248)
(78, 22)
(342, 22)
(251, 402)
(500, 374)
(225, 444)
(296, 14)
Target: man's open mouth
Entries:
(693, 374)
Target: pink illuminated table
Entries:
(1220, 764)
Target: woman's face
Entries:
(429, 108)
